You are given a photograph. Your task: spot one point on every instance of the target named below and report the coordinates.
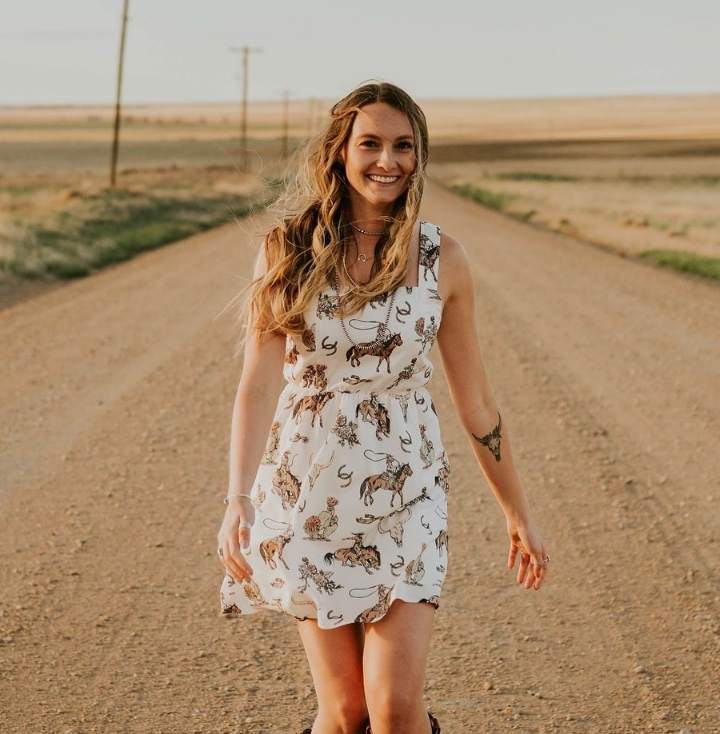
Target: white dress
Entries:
(351, 493)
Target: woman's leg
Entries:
(394, 660)
(335, 657)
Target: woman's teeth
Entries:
(383, 179)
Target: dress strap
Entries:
(429, 259)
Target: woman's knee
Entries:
(394, 705)
(347, 711)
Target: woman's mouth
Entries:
(383, 180)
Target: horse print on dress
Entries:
(383, 350)
(394, 522)
(366, 556)
(441, 541)
(427, 450)
(314, 403)
(314, 376)
(285, 484)
(308, 571)
(377, 610)
(250, 589)
(372, 411)
(392, 479)
(271, 549)
(271, 446)
(324, 524)
(442, 478)
(429, 252)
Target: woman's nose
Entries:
(387, 158)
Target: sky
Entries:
(179, 51)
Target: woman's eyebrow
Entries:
(377, 137)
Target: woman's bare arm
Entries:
(479, 414)
(260, 384)
(487, 429)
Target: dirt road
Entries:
(116, 394)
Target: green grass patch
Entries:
(688, 262)
(490, 199)
(533, 176)
(116, 225)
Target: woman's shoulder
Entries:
(450, 247)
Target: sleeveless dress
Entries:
(350, 495)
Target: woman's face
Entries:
(380, 144)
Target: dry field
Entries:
(629, 173)
(630, 196)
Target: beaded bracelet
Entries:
(238, 494)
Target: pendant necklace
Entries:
(383, 330)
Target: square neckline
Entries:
(412, 288)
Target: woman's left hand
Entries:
(525, 540)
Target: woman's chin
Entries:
(380, 198)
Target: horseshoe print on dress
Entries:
(353, 482)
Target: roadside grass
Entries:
(687, 262)
(532, 176)
(114, 225)
(489, 199)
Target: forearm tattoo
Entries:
(491, 439)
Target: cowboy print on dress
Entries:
(351, 493)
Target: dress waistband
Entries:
(351, 389)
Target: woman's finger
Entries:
(522, 570)
(244, 538)
(514, 550)
(235, 563)
(245, 568)
(539, 572)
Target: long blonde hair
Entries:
(313, 232)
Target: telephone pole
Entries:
(285, 125)
(245, 51)
(311, 117)
(116, 129)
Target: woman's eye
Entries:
(406, 145)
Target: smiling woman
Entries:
(343, 521)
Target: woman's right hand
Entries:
(232, 537)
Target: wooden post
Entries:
(286, 115)
(245, 51)
(118, 92)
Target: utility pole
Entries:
(285, 125)
(116, 130)
(245, 51)
(311, 118)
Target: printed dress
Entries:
(351, 493)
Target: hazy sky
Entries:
(65, 52)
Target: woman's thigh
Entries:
(335, 657)
(395, 654)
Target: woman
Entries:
(337, 500)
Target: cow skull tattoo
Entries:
(491, 439)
